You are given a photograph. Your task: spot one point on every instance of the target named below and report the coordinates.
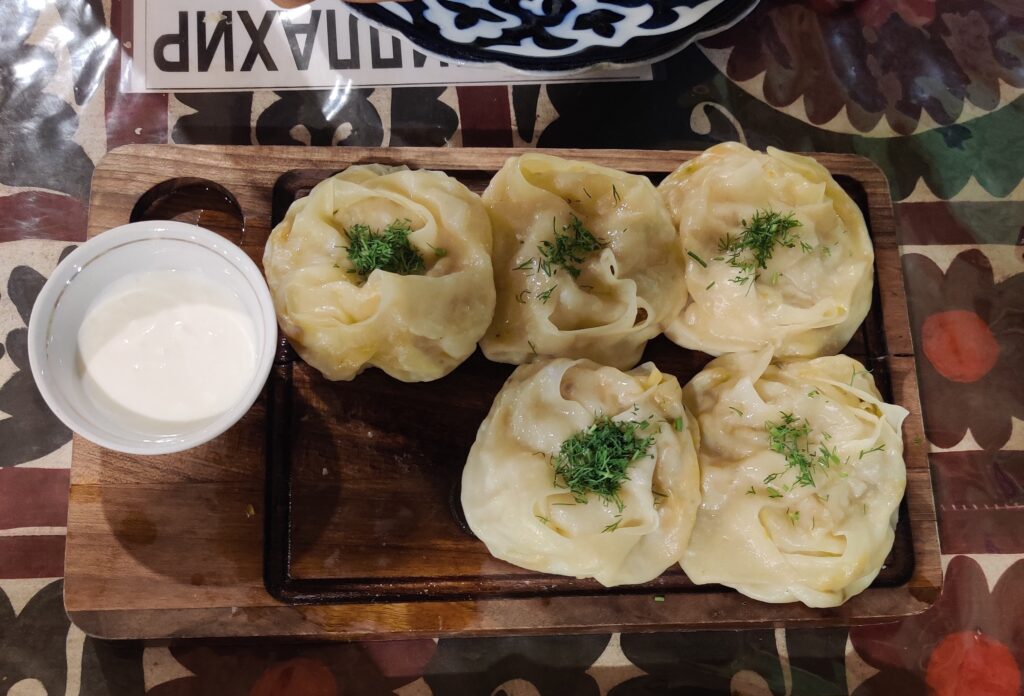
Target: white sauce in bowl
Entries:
(166, 348)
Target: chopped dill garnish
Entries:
(615, 195)
(790, 437)
(806, 248)
(698, 259)
(544, 520)
(918, 440)
(858, 372)
(525, 265)
(813, 393)
(532, 347)
(759, 237)
(775, 278)
(546, 295)
(710, 285)
(439, 252)
(733, 408)
(389, 250)
(794, 516)
(521, 297)
(751, 491)
(614, 525)
(678, 424)
(659, 598)
(773, 492)
(587, 192)
(595, 460)
(569, 248)
(879, 448)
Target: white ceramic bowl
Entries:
(86, 272)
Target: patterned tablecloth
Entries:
(931, 90)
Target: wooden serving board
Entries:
(359, 532)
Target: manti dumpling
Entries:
(586, 471)
(802, 476)
(587, 262)
(383, 266)
(778, 254)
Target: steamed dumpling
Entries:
(587, 262)
(521, 489)
(812, 292)
(415, 309)
(802, 476)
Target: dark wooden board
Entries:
(364, 534)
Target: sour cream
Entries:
(166, 348)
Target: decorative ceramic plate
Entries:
(555, 36)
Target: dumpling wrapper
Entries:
(414, 327)
(778, 541)
(624, 292)
(810, 299)
(509, 493)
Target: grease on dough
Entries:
(513, 505)
(819, 544)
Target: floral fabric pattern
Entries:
(892, 59)
(970, 642)
(929, 90)
(968, 328)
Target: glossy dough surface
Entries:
(625, 291)
(819, 544)
(509, 494)
(414, 327)
(809, 300)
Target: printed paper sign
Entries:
(222, 45)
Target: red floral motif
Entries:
(968, 328)
(970, 643)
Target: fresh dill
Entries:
(532, 347)
(879, 448)
(546, 295)
(614, 525)
(521, 297)
(698, 259)
(752, 248)
(710, 285)
(794, 516)
(389, 250)
(543, 519)
(596, 460)
(615, 195)
(814, 393)
(751, 491)
(678, 424)
(568, 249)
(587, 192)
(439, 252)
(525, 265)
(790, 437)
(858, 372)
(739, 412)
(773, 492)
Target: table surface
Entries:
(931, 90)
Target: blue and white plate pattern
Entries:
(550, 36)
